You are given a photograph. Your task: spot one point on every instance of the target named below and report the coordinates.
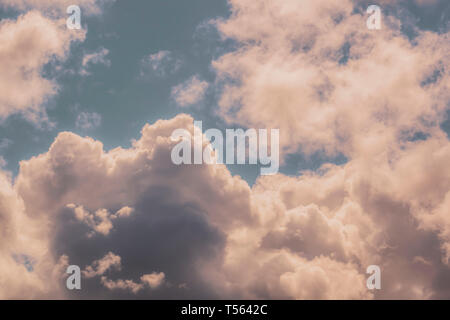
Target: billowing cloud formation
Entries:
(25, 270)
(310, 236)
(27, 45)
(38, 36)
(170, 223)
(312, 70)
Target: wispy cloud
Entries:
(97, 57)
(88, 120)
(161, 64)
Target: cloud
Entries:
(25, 271)
(314, 70)
(88, 120)
(39, 36)
(122, 284)
(168, 224)
(161, 63)
(310, 237)
(101, 220)
(28, 44)
(311, 69)
(110, 262)
(99, 267)
(97, 57)
(153, 280)
(190, 92)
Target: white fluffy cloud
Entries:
(27, 45)
(310, 69)
(310, 236)
(313, 69)
(153, 280)
(38, 36)
(27, 267)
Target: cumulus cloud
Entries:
(310, 69)
(27, 45)
(313, 69)
(170, 223)
(26, 270)
(37, 37)
(190, 92)
(309, 237)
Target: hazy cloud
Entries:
(88, 120)
(190, 92)
(97, 57)
(161, 63)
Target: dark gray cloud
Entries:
(159, 236)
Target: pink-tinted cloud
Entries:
(310, 236)
(190, 92)
(313, 69)
(99, 267)
(29, 43)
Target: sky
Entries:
(86, 176)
